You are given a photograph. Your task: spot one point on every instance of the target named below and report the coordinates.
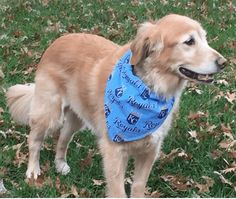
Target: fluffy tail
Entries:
(19, 99)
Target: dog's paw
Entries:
(62, 167)
(33, 172)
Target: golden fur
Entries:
(69, 91)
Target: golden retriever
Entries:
(70, 82)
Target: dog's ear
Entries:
(144, 43)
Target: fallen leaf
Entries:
(17, 146)
(74, 191)
(60, 187)
(198, 91)
(128, 180)
(155, 194)
(231, 7)
(98, 182)
(219, 96)
(29, 70)
(210, 128)
(192, 86)
(216, 154)
(45, 2)
(86, 161)
(205, 188)
(135, 2)
(48, 146)
(177, 182)
(38, 183)
(65, 195)
(17, 33)
(182, 154)
(84, 193)
(17, 135)
(71, 28)
(147, 191)
(226, 129)
(112, 33)
(199, 114)
(1, 122)
(232, 60)
(165, 158)
(16, 185)
(227, 144)
(229, 135)
(232, 154)
(168, 157)
(96, 30)
(3, 134)
(3, 190)
(230, 97)
(231, 168)
(3, 171)
(1, 74)
(45, 167)
(164, 2)
(224, 180)
(1, 111)
(193, 134)
(232, 44)
(20, 157)
(222, 81)
(58, 183)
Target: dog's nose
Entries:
(221, 62)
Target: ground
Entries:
(199, 154)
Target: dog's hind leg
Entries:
(71, 124)
(35, 140)
(45, 117)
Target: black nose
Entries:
(221, 62)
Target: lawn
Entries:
(198, 158)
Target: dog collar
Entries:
(132, 110)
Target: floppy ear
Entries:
(144, 43)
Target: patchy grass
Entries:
(197, 146)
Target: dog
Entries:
(72, 79)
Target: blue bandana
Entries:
(132, 111)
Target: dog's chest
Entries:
(162, 132)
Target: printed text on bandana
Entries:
(132, 111)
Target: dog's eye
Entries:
(190, 41)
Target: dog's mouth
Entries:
(204, 78)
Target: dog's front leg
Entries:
(115, 161)
(143, 166)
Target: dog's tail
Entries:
(19, 99)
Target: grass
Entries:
(27, 29)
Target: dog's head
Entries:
(175, 45)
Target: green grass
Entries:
(27, 29)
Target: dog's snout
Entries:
(221, 62)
